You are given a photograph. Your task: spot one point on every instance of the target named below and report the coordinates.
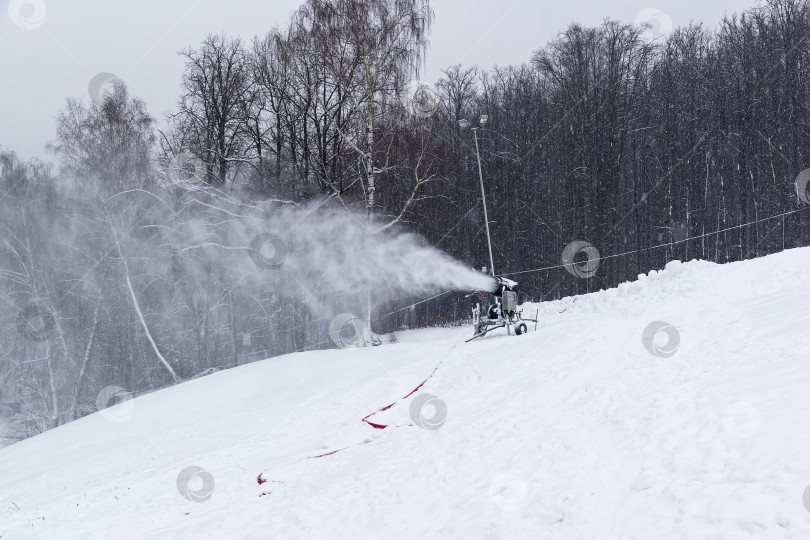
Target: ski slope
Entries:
(573, 431)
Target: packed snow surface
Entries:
(575, 430)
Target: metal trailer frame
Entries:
(503, 314)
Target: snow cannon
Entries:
(503, 311)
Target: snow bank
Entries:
(589, 427)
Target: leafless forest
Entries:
(135, 261)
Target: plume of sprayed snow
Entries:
(332, 251)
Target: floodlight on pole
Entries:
(464, 124)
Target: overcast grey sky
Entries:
(51, 49)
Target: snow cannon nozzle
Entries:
(503, 284)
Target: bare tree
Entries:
(211, 111)
(111, 140)
(368, 49)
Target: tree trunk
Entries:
(54, 420)
(139, 313)
(85, 360)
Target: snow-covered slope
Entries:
(573, 431)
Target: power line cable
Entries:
(669, 244)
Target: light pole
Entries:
(463, 124)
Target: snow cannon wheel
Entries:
(521, 329)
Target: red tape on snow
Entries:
(261, 480)
(339, 450)
(415, 390)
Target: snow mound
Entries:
(674, 406)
